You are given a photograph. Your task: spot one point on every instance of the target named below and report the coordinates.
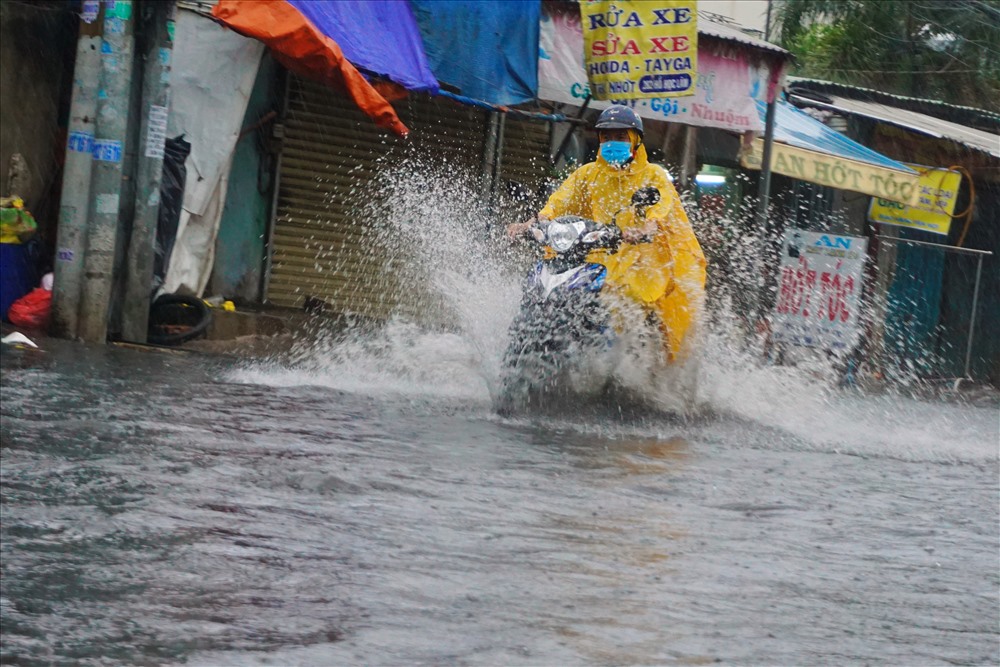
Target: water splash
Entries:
(460, 290)
(400, 359)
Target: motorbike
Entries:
(566, 337)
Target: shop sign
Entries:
(723, 96)
(835, 172)
(819, 290)
(937, 192)
(640, 49)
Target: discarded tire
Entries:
(176, 319)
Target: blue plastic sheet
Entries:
(797, 128)
(488, 49)
(377, 36)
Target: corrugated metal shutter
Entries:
(323, 244)
(525, 157)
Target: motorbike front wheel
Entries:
(544, 344)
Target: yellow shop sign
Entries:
(835, 172)
(635, 49)
(938, 190)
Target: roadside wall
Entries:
(37, 50)
(239, 247)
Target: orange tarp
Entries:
(302, 48)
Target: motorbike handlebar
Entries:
(610, 237)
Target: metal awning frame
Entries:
(902, 120)
(979, 254)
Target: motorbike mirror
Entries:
(646, 197)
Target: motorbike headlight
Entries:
(562, 236)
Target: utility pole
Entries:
(763, 201)
(489, 158)
(152, 134)
(117, 53)
(767, 23)
(689, 159)
(886, 273)
(71, 237)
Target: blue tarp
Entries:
(377, 36)
(797, 128)
(488, 49)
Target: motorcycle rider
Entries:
(665, 274)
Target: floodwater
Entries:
(360, 502)
(167, 508)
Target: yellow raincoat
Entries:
(668, 274)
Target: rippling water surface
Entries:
(163, 508)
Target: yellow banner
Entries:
(835, 172)
(934, 208)
(636, 49)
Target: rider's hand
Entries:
(516, 229)
(633, 235)
(642, 234)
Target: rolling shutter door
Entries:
(525, 157)
(323, 245)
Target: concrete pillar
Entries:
(71, 236)
(152, 134)
(117, 53)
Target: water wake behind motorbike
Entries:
(573, 333)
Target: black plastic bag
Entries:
(175, 153)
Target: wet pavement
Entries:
(167, 508)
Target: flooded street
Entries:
(164, 508)
(499, 334)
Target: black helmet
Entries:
(618, 117)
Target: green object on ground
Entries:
(16, 224)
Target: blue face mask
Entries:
(616, 153)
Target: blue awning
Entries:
(377, 36)
(488, 49)
(808, 150)
(797, 128)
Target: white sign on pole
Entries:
(819, 290)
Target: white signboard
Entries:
(819, 290)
